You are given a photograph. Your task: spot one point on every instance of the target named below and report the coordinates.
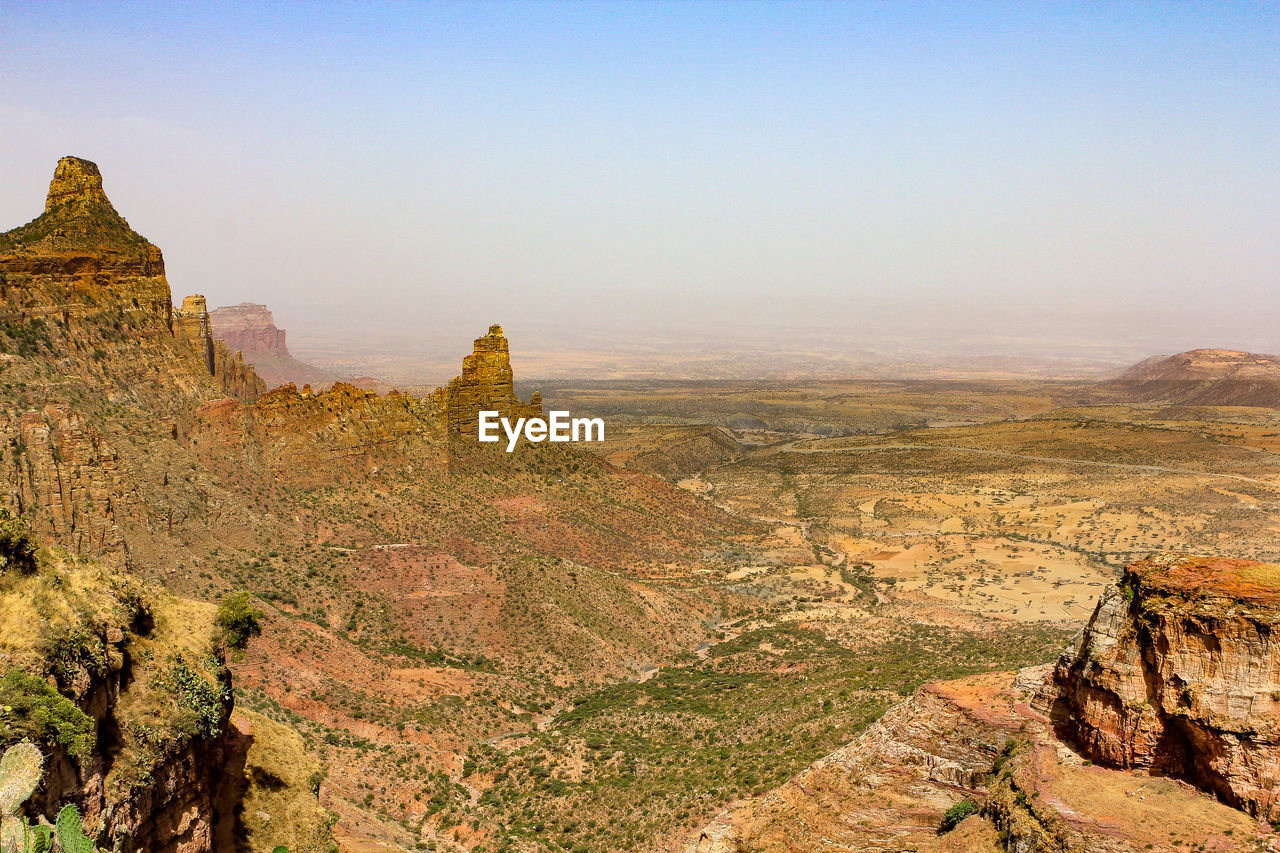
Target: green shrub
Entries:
(957, 813)
(239, 620)
(29, 707)
(199, 702)
(17, 546)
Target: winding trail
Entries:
(1128, 466)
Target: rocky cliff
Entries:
(1156, 731)
(486, 383)
(1177, 674)
(250, 330)
(78, 282)
(124, 690)
(88, 335)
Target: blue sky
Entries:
(670, 164)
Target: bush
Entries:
(199, 703)
(29, 707)
(239, 620)
(957, 813)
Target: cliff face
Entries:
(1178, 673)
(1157, 730)
(78, 281)
(984, 740)
(69, 477)
(88, 332)
(486, 384)
(138, 674)
(250, 329)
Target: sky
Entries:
(1071, 171)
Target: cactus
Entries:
(20, 771)
(71, 837)
(41, 839)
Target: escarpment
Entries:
(124, 690)
(1179, 673)
(250, 330)
(88, 333)
(1156, 731)
(79, 284)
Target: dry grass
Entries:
(273, 778)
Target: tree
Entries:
(239, 620)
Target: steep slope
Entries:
(1206, 377)
(1174, 675)
(1178, 673)
(250, 329)
(89, 336)
(401, 566)
(124, 689)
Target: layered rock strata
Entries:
(250, 329)
(1156, 731)
(1179, 673)
(486, 384)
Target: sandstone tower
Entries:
(80, 263)
(486, 384)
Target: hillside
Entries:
(1206, 377)
(124, 689)
(1175, 677)
(400, 566)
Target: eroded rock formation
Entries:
(1179, 673)
(1156, 731)
(250, 331)
(486, 384)
(249, 328)
(79, 279)
(66, 474)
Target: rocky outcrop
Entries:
(138, 675)
(1157, 729)
(80, 282)
(320, 438)
(1179, 673)
(249, 328)
(250, 331)
(486, 384)
(78, 252)
(173, 811)
(65, 475)
(979, 739)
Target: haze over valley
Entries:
(937, 508)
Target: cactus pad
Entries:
(71, 837)
(20, 771)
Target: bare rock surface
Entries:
(1155, 732)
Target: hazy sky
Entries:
(597, 165)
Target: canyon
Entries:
(757, 616)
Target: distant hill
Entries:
(1207, 377)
